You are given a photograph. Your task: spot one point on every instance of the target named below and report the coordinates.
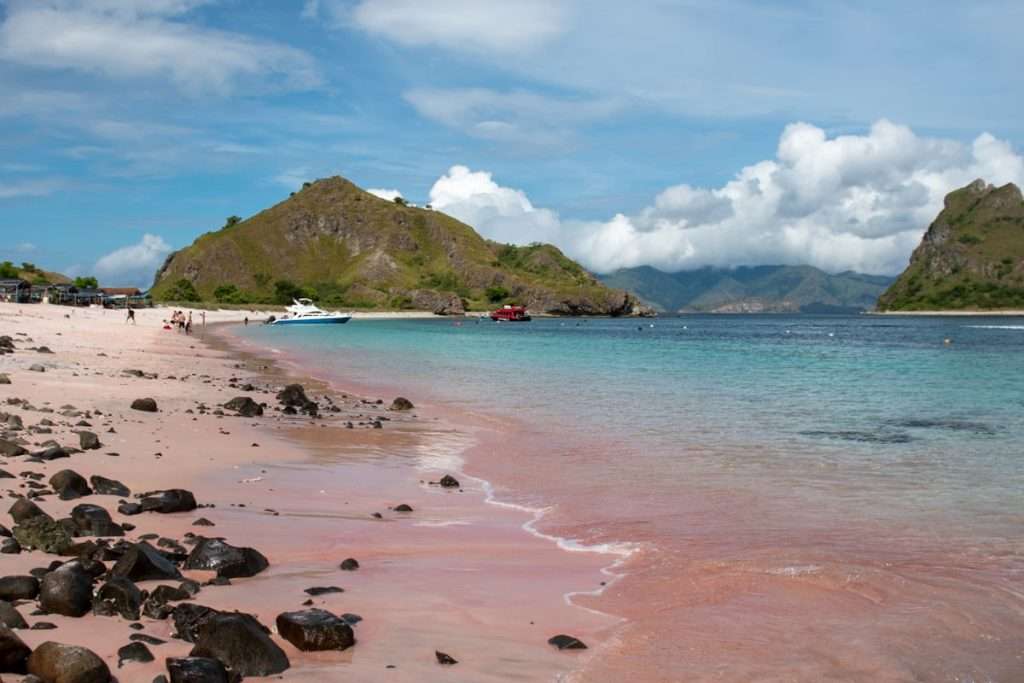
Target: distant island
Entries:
(754, 289)
(338, 244)
(971, 257)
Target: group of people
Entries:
(181, 323)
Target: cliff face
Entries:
(347, 247)
(971, 257)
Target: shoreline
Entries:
(484, 618)
(1011, 313)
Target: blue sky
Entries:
(672, 133)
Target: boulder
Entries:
(119, 596)
(323, 590)
(449, 482)
(314, 630)
(108, 487)
(9, 449)
(564, 642)
(24, 509)
(403, 508)
(10, 616)
(4, 379)
(88, 441)
(133, 652)
(146, 405)
(67, 591)
(143, 562)
(92, 520)
(199, 670)
(14, 653)
(70, 485)
(244, 406)
(402, 403)
(36, 367)
(19, 588)
(42, 533)
(9, 546)
(169, 501)
(52, 453)
(227, 560)
(444, 658)
(349, 565)
(58, 663)
(242, 643)
(188, 617)
(293, 395)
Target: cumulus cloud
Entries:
(389, 195)
(145, 38)
(133, 265)
(858, 202)
(482, 25)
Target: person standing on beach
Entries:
(247, 320)
(203, 316)
(131, 316)
(188, 325)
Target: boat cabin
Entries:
(510, 313)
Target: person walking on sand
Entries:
(247, 320)
(131, 316)
(188, 325)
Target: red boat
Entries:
(510, 314)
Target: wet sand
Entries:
(457, 574)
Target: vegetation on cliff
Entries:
(971, 257)
(344, 247)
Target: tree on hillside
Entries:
(286, 290)
(86, 282)
(182, 290)
(231, 222)
(401, 201)
(28, 267)
(7, 270)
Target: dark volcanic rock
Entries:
(92, 520)
(142, 562)
(403, 508)
(9, 546)
(133, 652)
(88, 441)
(227, 560)
(449, 482)
(120, 596)
(199, 670)
(564, 642)
(108, 487)
(323, 590)
(14, 653)
(52, 453)
(146, 405)
(70, 485)
(350, 565)
(10, 616)
(402, 403)
(57, 663)
(244, 406)
(188, 617)
(314, 630)
(19, 588)
(9, 449)
(24, 509)
(42, 533)
(241, 643)
(294, 397)
(443, 658)
(67, 591)
(166, 502)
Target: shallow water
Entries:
(818, 498)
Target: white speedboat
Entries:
(305, 312)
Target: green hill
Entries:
(971, 257)
(344, 247)
(756, 289)
(31, 273)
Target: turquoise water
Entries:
(865, 456)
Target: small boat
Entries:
(305, 312)
(510, 314)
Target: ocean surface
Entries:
(811, 498)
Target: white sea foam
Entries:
(995, 327)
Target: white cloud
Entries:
(389, 195)
(134, 265)
(857, 202)
(29, 188)
(145, 38)
(293, 178)
(482, 25)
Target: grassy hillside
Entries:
(345, 247)
(758, 289)
(971, 257)
(31, 273)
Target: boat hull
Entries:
(339, 320)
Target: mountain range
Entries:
(751, 289)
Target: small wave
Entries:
(859, 436)
(995, 327)
(798, 570)
(450, 522)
